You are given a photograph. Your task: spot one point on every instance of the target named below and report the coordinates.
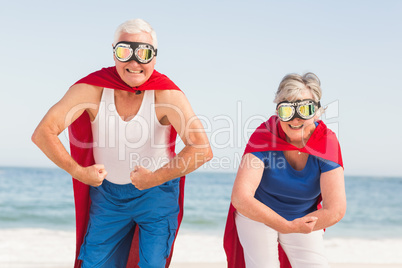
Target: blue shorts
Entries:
(116, 210)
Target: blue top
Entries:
(289, 192)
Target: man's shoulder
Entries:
(83, 87)
(86, 91)
(168, 95)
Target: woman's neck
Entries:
(300, 143)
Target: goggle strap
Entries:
(296, 103)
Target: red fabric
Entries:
(109, 78)
(269, 136)
(80, 134)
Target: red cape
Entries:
(80, 134)
(269, 136)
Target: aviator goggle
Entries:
(303, 109)
(140, 52)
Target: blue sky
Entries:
(227, 56)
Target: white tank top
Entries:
(121, 145)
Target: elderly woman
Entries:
(291, 163)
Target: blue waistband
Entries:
(131, 190)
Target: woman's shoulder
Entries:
(324, 164)
(263, 155)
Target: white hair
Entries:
(292, 84)
(135, 26)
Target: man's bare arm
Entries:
(79, 98)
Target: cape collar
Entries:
(109, 78)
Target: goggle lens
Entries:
(144, 54)
(285, 112)
(307, 110)
(123, 53)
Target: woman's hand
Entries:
(303, 225)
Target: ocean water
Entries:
(39, 201)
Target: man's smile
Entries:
(134, 72)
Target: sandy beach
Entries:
(40, 248)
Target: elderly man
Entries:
(128, 182)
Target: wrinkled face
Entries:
(299, 130)
(133, 73)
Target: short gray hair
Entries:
(135, 26)
(292, 84)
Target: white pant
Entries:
(260, 246)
